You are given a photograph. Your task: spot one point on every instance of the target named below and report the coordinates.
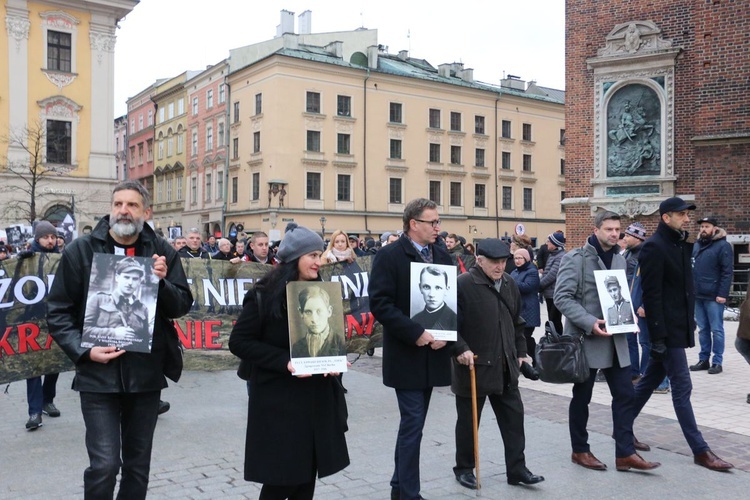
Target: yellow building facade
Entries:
(336, 143)
(57, 82)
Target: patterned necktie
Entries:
(426, 254)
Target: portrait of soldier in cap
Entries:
(616, 301)
(118, 315)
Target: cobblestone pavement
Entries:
(199, 444)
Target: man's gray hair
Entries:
(606, 215)
(415, 208)
(137, 187)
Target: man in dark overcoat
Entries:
(668, 298)
(492, 343)
(413, 361)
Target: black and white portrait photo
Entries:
(433, 299)
(614, 297)
(316, 327)
(175, 231)
(121, 303)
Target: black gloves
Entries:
(25, 254)
(658, 350)
(529, 371)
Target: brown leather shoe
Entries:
(588, 460)
(635, 461)
(640, 446)
(709, 460)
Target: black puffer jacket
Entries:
(133, 371)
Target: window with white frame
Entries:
(313, 140)
(235, 189)
(258, 103)
(209, 138)
(222, 93)
(220, 138)
(181, 106)
(343, 144)
(455, 155)
(312, 102)
(209, 98)
(527, 199)
(140, 122)
(159, 189)
(507, 201)
(256, 142)
(180, 143)
(150, 117)
(313, 191)
(209, 186)
(179, 186)
(59, 51)
(434, 192)
(59, 138)
(256, 186)
(195, 105)
(396, 112)
(455, 121)
(479, 157)
(170, 110)
(170, 147)
(169, 188)
(193, 190)
(161, 115)
(220, 185)
(395, 149)
(194, 143)
(434, 116)
(344, 105)
(480, 200)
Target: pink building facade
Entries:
(140, 152)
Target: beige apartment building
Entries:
(332, 138)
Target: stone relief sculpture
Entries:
(633, 132)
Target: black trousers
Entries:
(554, 315)
(296, 492)
(528, 332)
(508, 409)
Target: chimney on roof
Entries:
(287, 23)
(290, 41)
(305, 23)
(466, 75)
(335, 49)
(444, 70)
(403, 55)
(372, 56)
(513, 82)
(456, 67)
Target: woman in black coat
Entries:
(295, 424)
(526, 276)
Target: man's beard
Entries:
(125, 227)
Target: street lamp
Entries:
(323, 221)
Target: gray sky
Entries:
(163, 38)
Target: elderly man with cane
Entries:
(490, 343)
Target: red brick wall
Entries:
(711, 98)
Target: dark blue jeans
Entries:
(621, 388)
(40, 393)
(413, 405)
(675, 366)
(112, 419)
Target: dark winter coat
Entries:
(133, 371)
(549, 276)
(293, 424)
(527, 280)
(405, 366)
(201, 253)
(491, 326)
(713, 267)
(667, 283)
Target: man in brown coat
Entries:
(490, 342)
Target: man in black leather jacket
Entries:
(119, 390)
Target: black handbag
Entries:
(560, 358)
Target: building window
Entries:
(506, 160)
(59, 51)
(435, 153)
(59, 141)
(256, 142)
(159, 189)
(220, 185)
(395, 113)
(455, 121)
(562, 197)
(220, 143)
(209, 186)
(209, 138)
(479, 157)
(313, 186)
(562, 137)
(180, 143)
(140, 122)
(256, 186)
(506, 129)
(434, 118)
(312, 104)
(161, 115)
(343, 145)
(150, 149)
(480, 196)
(222, 93)
(150, 117)
(179, 187)
(455, 199)
(236, 148)
(235, 189)
(395, 149)
(435, 192)
(313, 140)
(526, 133)
(527, 200)
(170, 147)
(169, 189)
(562, 166)
(344, 105)
(193, 190)
(479, 124)
(507, 198)
(194, 144)
(258, 104)
(209, 98)
(132, 126)
(394, 191)
(181, 106)
(236, 106)
(455, 155)
(527, 163)
(140, 154)
(132, 155)
(344, 188)
(161, 149)
(170, 110)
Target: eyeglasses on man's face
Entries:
(434, 223)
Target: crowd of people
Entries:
(297, 424)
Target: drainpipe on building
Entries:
(364, 143)
(227, 104)
(497, 182)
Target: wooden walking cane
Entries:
(475, 422)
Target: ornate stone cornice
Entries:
(59, 107)
(101, 43)
(59, 79)
(18, 29)
(58, 20)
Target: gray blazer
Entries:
(579, 303)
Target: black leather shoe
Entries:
(700, 365)
(715, 369)
(525, 478)
(163, 407)
(467, 480)
(529, 371)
